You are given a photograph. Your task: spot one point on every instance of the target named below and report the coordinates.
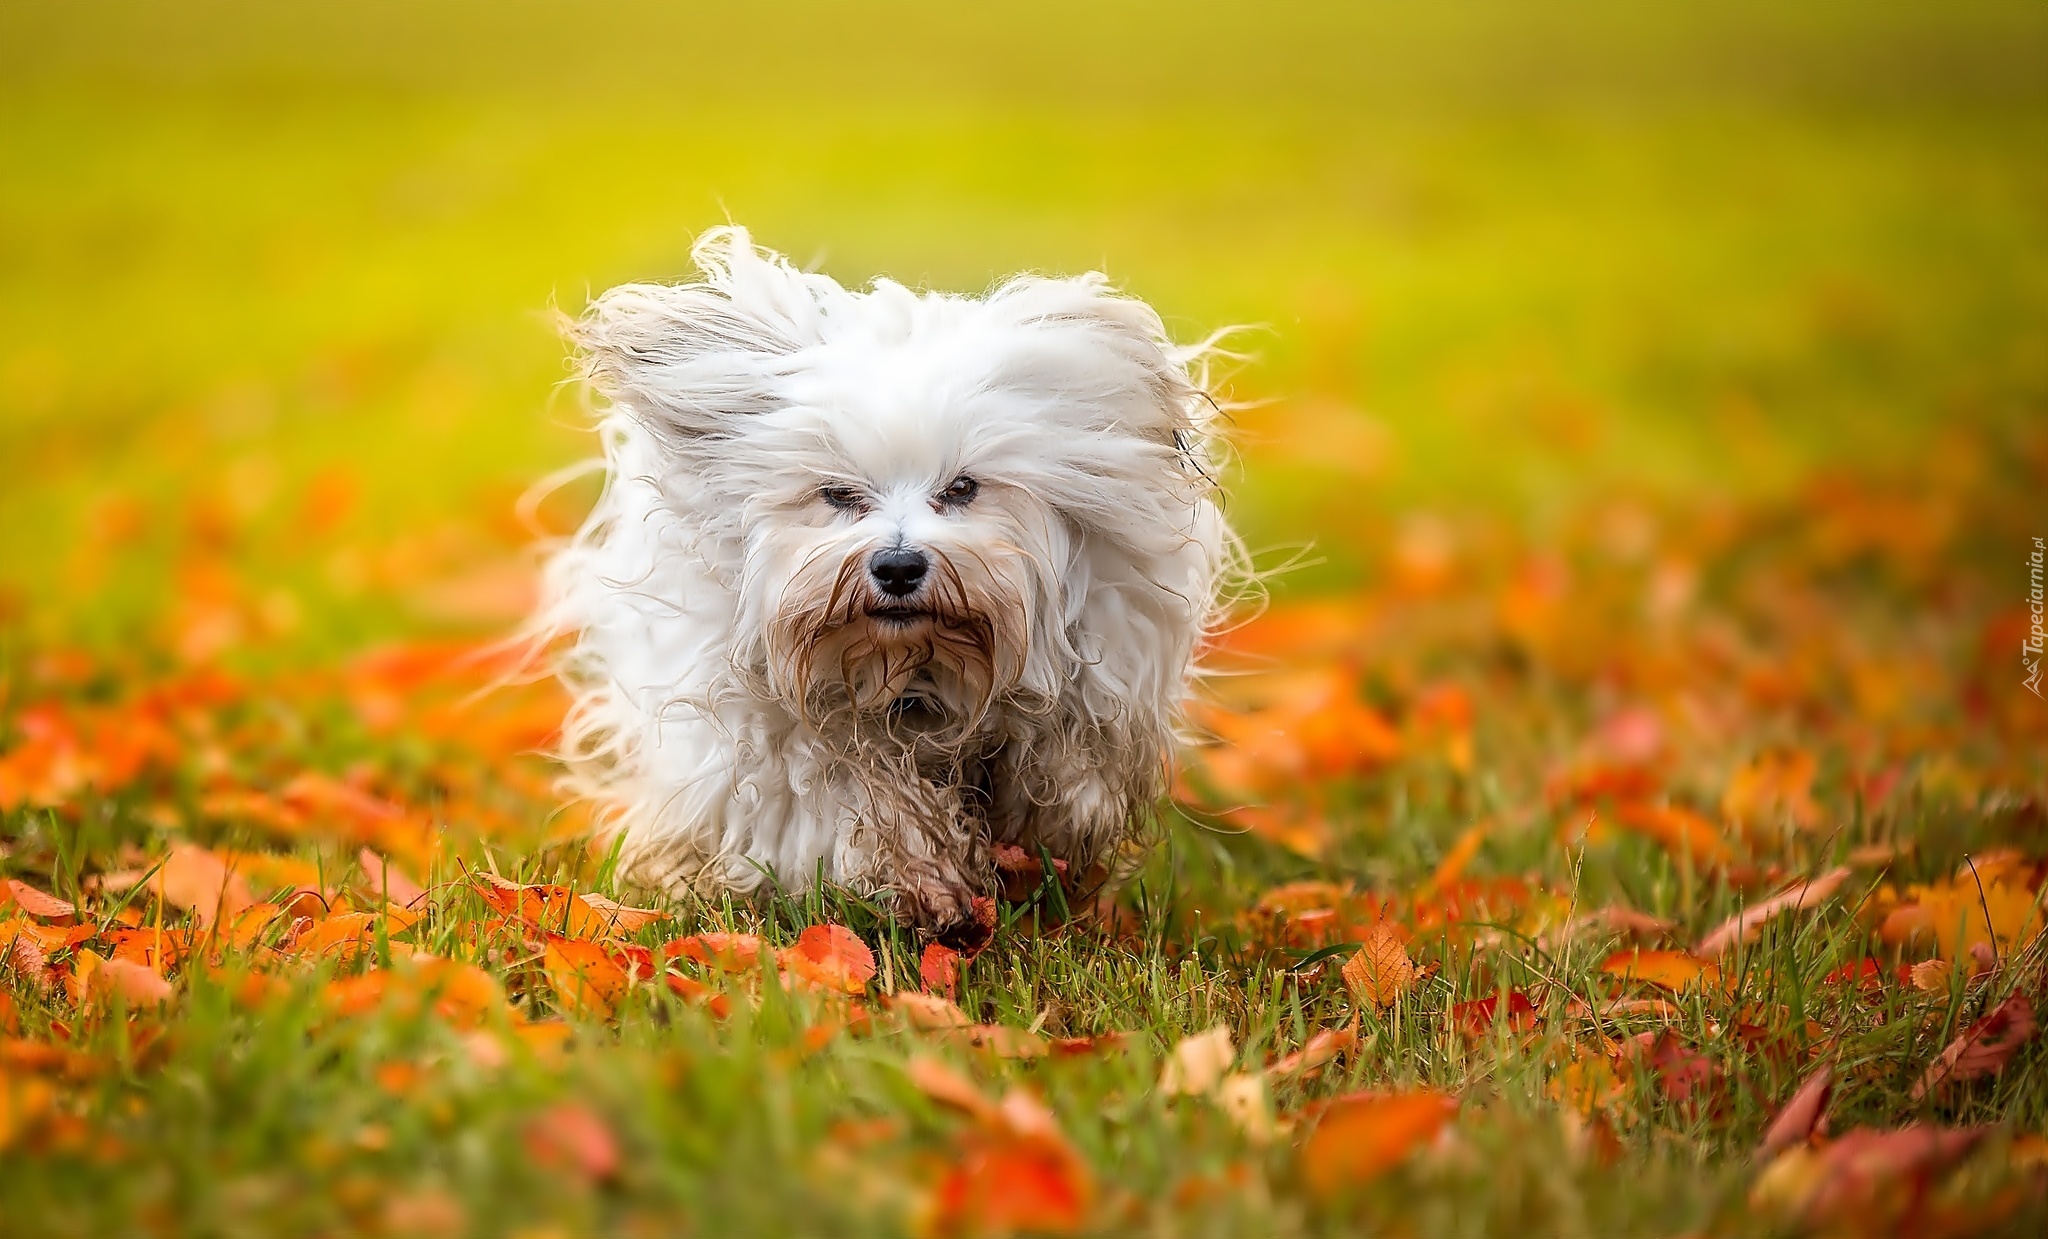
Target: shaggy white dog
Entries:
(882, 578)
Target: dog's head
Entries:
(918, 499)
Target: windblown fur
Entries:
(753, 704)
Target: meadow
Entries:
(1626, 815)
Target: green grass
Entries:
(1544, 276)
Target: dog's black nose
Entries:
(898, 571)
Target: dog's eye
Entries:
(959, 491)
(845, 498)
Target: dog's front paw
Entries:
(953, 913)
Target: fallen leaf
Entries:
(1682, 832)
(1801, 1115)
(1478, 1017)
(938, 971)
(1866, 1180)
(928, 1011)
(343, 935)
(1984, 1048)
(1931, 976)
(1242, 1097)
(726, 952)
(585, 977)
(1744, 925)
(1004, 1041)
(1198, 1063)
(1673, 970)
(571, 1137)
(1361, 1137)
(946, 1086)
(389, 882)
(1381, 971)
(830, 957)
(1317, 1052)
(202, 883)
(558, 910)
(33, 901)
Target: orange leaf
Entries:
(1746, 924)
(202, 883)
(1452, 866)
(1477, 1017)
(585, 977)
(1381, 971)
(830, 957)
(1682, 832)
(1984, 1048)
(1362, 1136)
(726, 952)
(344, 935)
(1674, 970)
(559, 910)
(1004, 1184)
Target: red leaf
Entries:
(1478, 1017)
(939, 971)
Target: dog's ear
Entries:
(688, 359)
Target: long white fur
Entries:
(738, 714)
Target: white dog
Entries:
(881, 579)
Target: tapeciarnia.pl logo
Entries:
(2030, 649)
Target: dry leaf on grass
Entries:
(938, 970)
(1381, 971)
(1745, 924)
(1316, 1053)
(1983, 1049)
(1801, 1115)
(1865, 1181)
(725, 952)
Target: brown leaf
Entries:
(1984, 1048)
(1004, 1041)
(1800, 1116)
(1362, 1136)
(1618, 919)
(1381, 971)
(1745, 924)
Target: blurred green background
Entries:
(279, 277)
